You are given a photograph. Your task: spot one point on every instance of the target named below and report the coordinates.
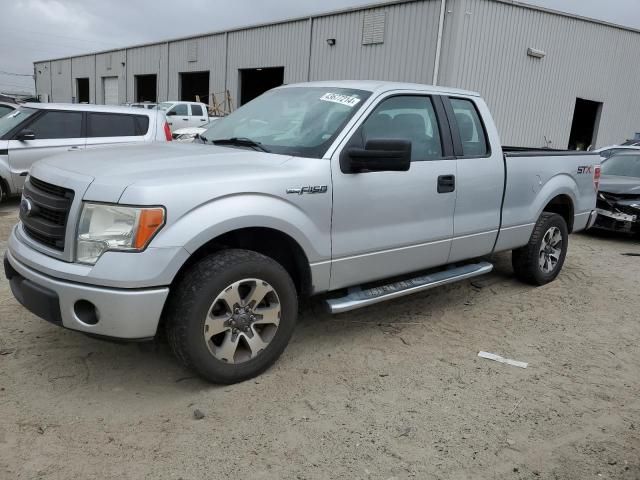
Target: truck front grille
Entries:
(44, 212)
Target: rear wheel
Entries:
(541, 260)
(232, 315)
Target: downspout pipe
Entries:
(436, 66)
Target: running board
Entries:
(358, 298)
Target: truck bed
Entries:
(537, 176)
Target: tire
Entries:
(534, 263)
(2, 192)
(205, 330)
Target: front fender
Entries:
(310, 229)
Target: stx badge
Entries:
(585, 169)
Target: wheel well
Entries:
(267, 241)
(563, 206)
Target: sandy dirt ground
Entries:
(389, 392)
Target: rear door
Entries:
(198, 115)
(479, 182)
(390, 223)
(55, 132)
(116, 128)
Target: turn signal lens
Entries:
(151, 220)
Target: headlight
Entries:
(106, 227)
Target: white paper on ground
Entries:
(498, 358)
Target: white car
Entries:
(34, 131)
(606, 152)
(184, 114)
(186, 135)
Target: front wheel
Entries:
(232, 315)
(540, 261)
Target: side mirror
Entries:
(171, 113)
(380, 156)
(26, 135)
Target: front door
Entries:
(391, 223)
(55, 132)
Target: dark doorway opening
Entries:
(194, 84)
(255, 81)
(584, 129)
(146, 88)
(82, 90)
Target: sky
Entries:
(42, 29)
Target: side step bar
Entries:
(358, 298)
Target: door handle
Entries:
(74, 148)
(446, 183)
(185, 119)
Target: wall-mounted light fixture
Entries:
(535, 53)
(331, 42)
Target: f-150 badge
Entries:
(308, 189)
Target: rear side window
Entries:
(57, 125)
(472, 135)
(117, 125)
(196, 110)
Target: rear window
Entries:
(196, 110)
(117, 125)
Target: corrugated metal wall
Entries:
(197, 55)
(145, 60)
(84, 67)
(43, 78)
(111, 64)
(484, 49)
(61, 90)
(282, 45)
(535, 98)
(407, 54)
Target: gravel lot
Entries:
(392, 391)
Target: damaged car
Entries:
(619, 196)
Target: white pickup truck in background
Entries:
(184, 114)
(362, 191)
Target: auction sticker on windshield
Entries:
(347, 100)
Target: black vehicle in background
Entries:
(619, 197)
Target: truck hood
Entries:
(108, 172)
(620, 185)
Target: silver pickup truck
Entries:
(359, 190)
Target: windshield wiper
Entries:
(242, 142)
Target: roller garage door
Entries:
(110, 88)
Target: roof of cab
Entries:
(86, 107)
(379, 86)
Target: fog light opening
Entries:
(86, 312)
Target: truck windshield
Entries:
(622, 166)
(9, 122)
(301, 121)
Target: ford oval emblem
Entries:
(26, 207)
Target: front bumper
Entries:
(130, 314)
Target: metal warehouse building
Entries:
(551, 79)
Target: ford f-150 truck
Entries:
(359, 190)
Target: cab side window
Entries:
(181, 109)
(472, 135)
(196, 111)
(406, 118)
(57, 125)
